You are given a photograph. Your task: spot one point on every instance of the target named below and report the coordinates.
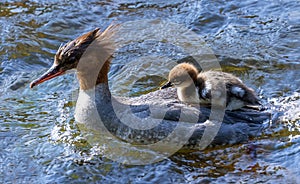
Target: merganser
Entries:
(162, 105)
(194, 87)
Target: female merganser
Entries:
(91, 53)
(194, 87)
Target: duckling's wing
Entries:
(203, 87)
(243, 93)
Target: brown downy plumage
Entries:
(223, 88)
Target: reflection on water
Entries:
(256, 40)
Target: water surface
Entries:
(40, 142)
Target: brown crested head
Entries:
(183, 72)
(68, 56)
(181, 75)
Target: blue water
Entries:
(40, 142)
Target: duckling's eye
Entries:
(176, 82)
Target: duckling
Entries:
(194, 87)
(90, 56)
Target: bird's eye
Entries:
(72, 59)
(176, 82)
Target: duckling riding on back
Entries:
(194, 87)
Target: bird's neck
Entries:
(91, 77)
(188, 94)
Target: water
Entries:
(256, 40)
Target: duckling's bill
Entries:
(167, 85)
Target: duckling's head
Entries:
(182, 75)
(68, 56)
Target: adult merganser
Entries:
(194, 87)
(91, 53)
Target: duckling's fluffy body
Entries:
(211, 87)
